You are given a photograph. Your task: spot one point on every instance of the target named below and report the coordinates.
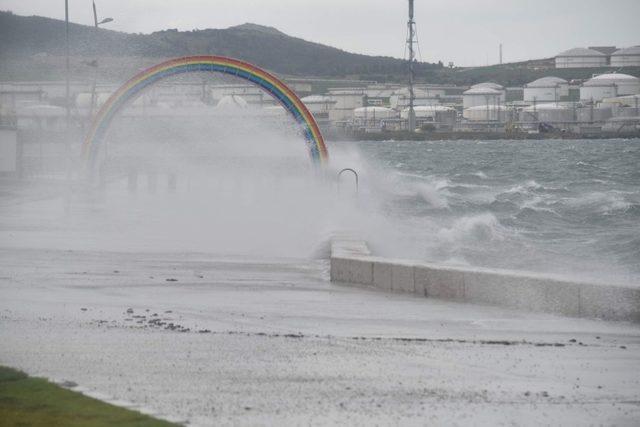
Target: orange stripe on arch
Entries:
(130, 89)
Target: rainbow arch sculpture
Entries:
(216, 64)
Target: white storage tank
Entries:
(629, 57)
(41, 116)
(427, 111)
(232, 102)
(374, 112)
(609, 86)
(492, 85)
(482, 96)
(623, 101)
(546, 89)
(83, 100)
(345, 101)
(400, 98)
(592, 113)
(581, 57)
(274, 111)
(483, 113)
(438, 114)
(318, 104)
(373, 117)
(548, 113)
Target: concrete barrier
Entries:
(352, 263)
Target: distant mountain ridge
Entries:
(25, 36)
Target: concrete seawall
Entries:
(353, 263)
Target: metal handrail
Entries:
(355, 174)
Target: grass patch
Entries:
(26, 401)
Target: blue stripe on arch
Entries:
(278, 94)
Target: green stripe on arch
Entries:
(193, 64)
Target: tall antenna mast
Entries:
(411, 40)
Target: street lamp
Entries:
(95, 17)
(95, 71)
(93, 87)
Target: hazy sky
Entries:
(466, 32)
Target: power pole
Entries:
(93, 86)
(67, 142)
(411, 40)
(67, 65)
(500, 53)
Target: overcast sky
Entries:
(467, 32)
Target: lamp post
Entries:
(95, 17)
(96, 25)
(67, 147)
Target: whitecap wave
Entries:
(525, 188)
(434, 193)
(483, 227)
(480, 174)
(600, 201)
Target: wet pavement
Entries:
(210, 340)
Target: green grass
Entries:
(26, 401)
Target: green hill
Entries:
(25, 39)
(33, 48)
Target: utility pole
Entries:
(67, 142)
(95, 16)
(67, 65)
(500, 53)
(411, 40)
